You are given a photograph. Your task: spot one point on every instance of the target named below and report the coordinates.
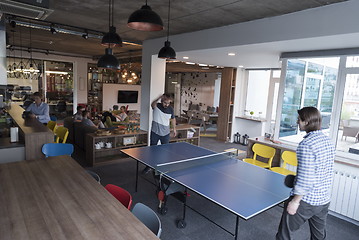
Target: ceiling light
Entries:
(202, 65)
(52, 29)
(167, 51)
(240, 66)
(185, 57)
(145, 19)
(231, 54)
(85, 35)
(108, 60)
(111, 39)
(190, 63)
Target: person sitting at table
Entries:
(78, 115)
(121, 116)
(87, 121)
(39, 109)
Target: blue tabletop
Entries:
(242, 188)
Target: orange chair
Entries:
(120, 194)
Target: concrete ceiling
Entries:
(186, 16)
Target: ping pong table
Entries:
(241, 188)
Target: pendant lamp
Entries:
(145, 19)
(111, 38)
(167, 51)
(108, 60)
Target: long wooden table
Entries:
(56, 199)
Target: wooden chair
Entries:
(51, 125)
(261, 151)
(57, 149)
(61, 134)
(290, 158)
(120, 194)
(148, 217)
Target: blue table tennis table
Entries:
(241, 188)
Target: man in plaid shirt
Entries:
(310, 196)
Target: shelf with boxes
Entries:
(102, 149)
(187, 133)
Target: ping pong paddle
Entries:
(289, 180)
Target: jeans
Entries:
(316, 216)
(154, 138)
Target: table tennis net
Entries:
(193, 162)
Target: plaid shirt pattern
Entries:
(314, 178)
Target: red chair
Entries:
(120, 194)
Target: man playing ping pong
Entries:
(310, 196)
(162, 115)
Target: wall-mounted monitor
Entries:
(127, 96)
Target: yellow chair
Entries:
(51, 125)
(61, 134)
(261, 151)
(290, 158)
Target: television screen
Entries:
(127, 96)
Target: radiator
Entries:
(345, 194)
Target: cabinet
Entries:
(117, 142)
(187, 133)
(225, 114)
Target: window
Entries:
(308, 82)
(313, 82)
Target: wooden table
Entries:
(56, 199)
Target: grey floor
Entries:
(263, 226)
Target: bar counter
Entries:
(31, 132)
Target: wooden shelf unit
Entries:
(226, 103)
(106, 155)
(183, 134)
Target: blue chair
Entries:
(57, 149)
(148, 217)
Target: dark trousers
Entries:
(316, 216)
(154, 138)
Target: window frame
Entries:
(337, 101)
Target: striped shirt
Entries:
(161, 119)
(314, 178)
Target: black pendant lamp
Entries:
(111, 38)
(108, 60)
(167, 51)
(145, 19)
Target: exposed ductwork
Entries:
(29, 10)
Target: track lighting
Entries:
(85, 35)
(52, 29)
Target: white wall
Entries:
(197, 88)
(257, 93)
(111, 92)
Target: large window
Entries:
(316, 82)
(308, 82)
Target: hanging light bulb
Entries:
(108, 60)
(111, 38)
(145, 19)
(167, 52)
